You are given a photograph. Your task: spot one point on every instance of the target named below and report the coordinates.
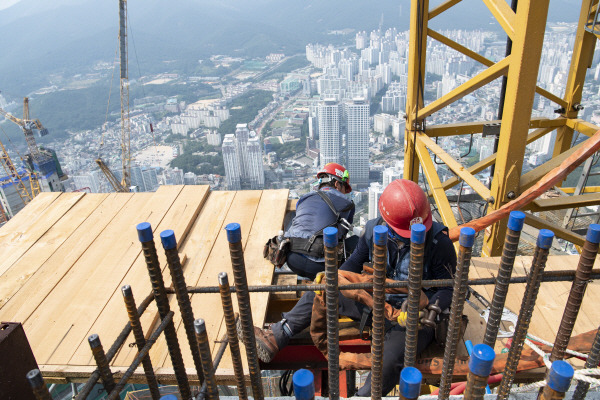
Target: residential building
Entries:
(329, 119)
(357, 125)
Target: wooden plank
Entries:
(18, 274)
(17, 241)
(29, 215)
(179, 218)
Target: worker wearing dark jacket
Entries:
(316, 211)
(402, 204)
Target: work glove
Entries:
(319, 279)
(404, 316)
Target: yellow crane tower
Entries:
(124, 90)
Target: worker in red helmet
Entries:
(315, 211)
(402, 204)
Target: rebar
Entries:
(480, 366)
(410, 383)
(140, 340)
(415, 276)
(146, 237)
(234, 345)
(234, 237)
(142, 354)
(558, 381)
(102, 362)
(112, 352)
(582, 277)
(330, 240)
(380, 236)
(169, 243)
(207, 363)
(217, 360)
(38, 386)
(459, 295)
(544, 241)
(507, 261)
(592, 362)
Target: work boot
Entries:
(266, 344)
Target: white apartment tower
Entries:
(232, 162)
(375, 191)
(357, 114)
(329, 131)
(242, 156)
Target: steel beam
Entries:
(469, 128)
(443, 7)
(579, 125)
(520, 90)
(504, 15)
(560, 203)
(588, 189)
(559, 231)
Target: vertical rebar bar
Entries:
(410, 383)
(592, 362)
(234, 344)
(207, 364)
(330, 240)
(169, 242)
(480, 366)
(507, 261)
(578, 287)
(146, 237)
(466, 239)
(380, 237)
(415, 276)
(234, 237)
(38, 386)
(102, 362)
(544, 241)
(558, 381)
(140, 340)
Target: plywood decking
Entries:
(64, 258)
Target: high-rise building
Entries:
(242, 156)
(375, 191)
(329, 131)
(232, 162)
(391, 174)
(357, 125)
(150, 178)
(137, 179)
(90, 181)
(256, 173)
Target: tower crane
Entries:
(112, 179)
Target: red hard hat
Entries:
(402, 204)
(337, 172)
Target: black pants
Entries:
(299, 317)
(307, 268)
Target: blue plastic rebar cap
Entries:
(234, 232)
(144, 230)
(417, 233)
(330, 236)
(169, 397)
(481, 360)
(380, 235)
(544, 240)
(515, 221)
(167, 237)
(560, 376)
(410, 382)
(593, 234)
(304, 384)
(467, 237)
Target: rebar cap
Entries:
(560, 376)
(144, 230)
(167, 238)
(544, 240)
(169, 397)
(467, 236)
(330, 236)
(410, 382)
(199, 325)
(515, 221)
(593, 234)
(304, 386)
(35, 378)
(234, 232)
(481, 360)
(380, 235)
(417, 233)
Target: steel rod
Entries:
(234, 345)
(380, 236)
(224, 341)
(582, 277)
(207, 363)
(544, 241)
(480, 366)
(140, 340)
(102, 362)
(330, 240)
(169, 243)
(142, 354)
(38, 386)
(507, 261)
(146, 237)
(459, 294)
(591, 362)
(415, 276)
(234, 237)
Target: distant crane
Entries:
(124, 85)
(112, 179)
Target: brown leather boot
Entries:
(266, 345)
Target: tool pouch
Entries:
(276, 253)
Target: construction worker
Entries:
(401, 204)
(316, 211)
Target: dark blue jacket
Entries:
(439, 262)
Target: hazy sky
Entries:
(7, 3)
